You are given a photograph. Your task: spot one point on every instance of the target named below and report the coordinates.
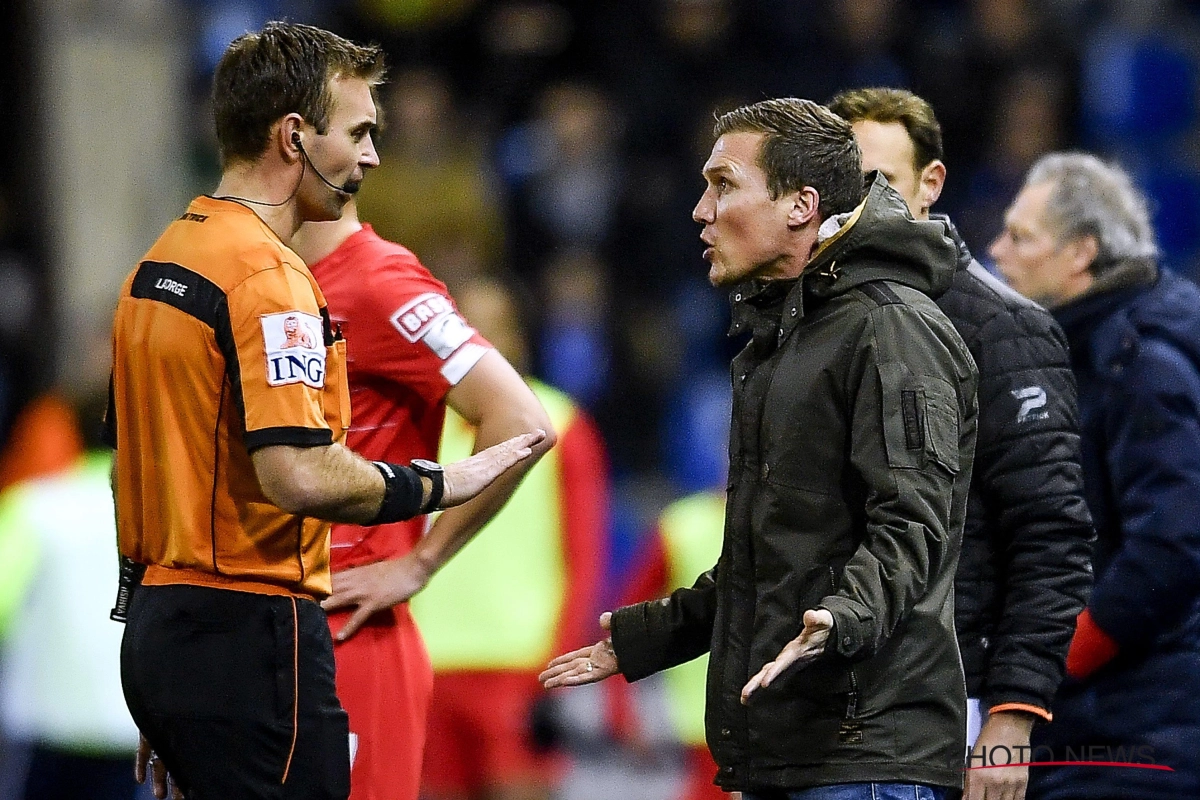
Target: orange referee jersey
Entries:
(221, 344)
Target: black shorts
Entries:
(235, 692)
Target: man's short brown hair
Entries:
(895, 105)
(283, 68)
(804, 145)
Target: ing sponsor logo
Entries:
(295, 349)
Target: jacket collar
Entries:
(757, 307)
(1115, 287)
(878, 240)
(1100, 307)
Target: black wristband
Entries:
(402, 493)
(437, 477)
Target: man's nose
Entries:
(370, 157)
(702, 213)
(996, 248)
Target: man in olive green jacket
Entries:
(834, 667)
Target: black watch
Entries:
(432, 470)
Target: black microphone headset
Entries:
(341, 189)
(307, 163)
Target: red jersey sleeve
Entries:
(408, 330)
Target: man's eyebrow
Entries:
(716, 169)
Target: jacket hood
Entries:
(880, 240)
(964, 253)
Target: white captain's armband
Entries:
(431, 319)
(295, 349)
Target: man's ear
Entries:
(930, 183)
(1083, 250)
(805, 205)
(287, 134)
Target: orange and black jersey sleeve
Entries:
(280, 349)
(221, 345)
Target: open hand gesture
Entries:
(467, 478)
(585, 665)
(801, 650)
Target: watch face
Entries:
(425, 465)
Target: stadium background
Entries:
(560, 143)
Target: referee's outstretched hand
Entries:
(467, 478)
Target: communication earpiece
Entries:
(308, 162)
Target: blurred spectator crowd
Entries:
(560, 143)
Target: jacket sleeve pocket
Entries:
(920, 419)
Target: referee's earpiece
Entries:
(308, 164)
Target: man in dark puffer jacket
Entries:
(1078, 239)
(834, 669)
(1024, 570)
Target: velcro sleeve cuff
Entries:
(639, 654)
(849, 629)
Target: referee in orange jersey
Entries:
(228, 406)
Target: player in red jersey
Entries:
(529, 587)
(409, 354)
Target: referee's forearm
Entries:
(331, 482)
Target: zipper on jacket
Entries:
(851, 731)
(852, 704)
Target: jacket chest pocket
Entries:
(920, 419)
(337, 390)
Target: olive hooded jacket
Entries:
(851, 447)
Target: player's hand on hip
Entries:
(374, 587)
(585, 665)
(467, 478)
(801, 650)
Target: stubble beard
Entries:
(718, 274)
